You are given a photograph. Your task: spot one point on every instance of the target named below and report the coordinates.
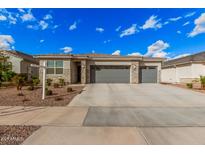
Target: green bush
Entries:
(19, 80)
(56, 85)
(202, 80)
(69, 89)
(58, 98)
(31, 88)
(35, 82)
(7, 75)
(49, 92)
(189, 85)
(49, 82)
(61, 82)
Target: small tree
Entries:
(19, 80)
(202, 79)
(49, 82)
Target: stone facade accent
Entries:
(134, 73)
(55, 77)
(83, 72)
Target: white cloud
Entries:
(6, 42)
(73, 26)
(99, 29)
(152, 22)
(35, 27)
(3, 18)
(135, 54)
(21, 10)
(55, 26)
(43, 25)
(107, 41)
(160, 54)
(116, 53)
(186, 23)
(118, 28)
(166, 22)
(175, 19)
(199, 26)
(66, 49)
(47, 17)
(157, 49)
(130, 31)
(27, 16)
(189, 14)
(10, 17)
(180, 56)
(179, 32)
(41, 41)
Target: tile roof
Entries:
(199, 57)
(22, 55)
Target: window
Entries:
(55, 67)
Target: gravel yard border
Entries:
(60, 97)
(15, 134)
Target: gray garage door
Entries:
(148, 74)
(110, 74)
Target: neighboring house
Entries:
(101, 68)
(20, 62)
(183, 70)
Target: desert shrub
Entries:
(20, 94)
(49, 82)
(31, 88)
(61, 82)
(202, 80)
(69, 89)
(35, 81)
(56, 85)
(25, 100)
(58, 98)
(189, 85)
(49, 92)
(7, 75)
(19, 80)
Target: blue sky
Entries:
(149, 32)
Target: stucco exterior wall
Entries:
(16, 63)
(168, 75)
(183, 74)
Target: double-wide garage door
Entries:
(110, 74)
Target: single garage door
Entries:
(148, 74)
(110, 74)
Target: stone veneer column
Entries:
(67, 71)
(88, 72)
(83, 71)
(134, 73)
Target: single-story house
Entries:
(20, 62)
(184, 70)
(101, 68)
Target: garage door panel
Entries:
(148, 75)
(110, 74)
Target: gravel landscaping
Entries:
(185, 87)
(14, 135)
(60, 97)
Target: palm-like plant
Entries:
(202, 79)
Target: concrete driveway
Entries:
(127, 114)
